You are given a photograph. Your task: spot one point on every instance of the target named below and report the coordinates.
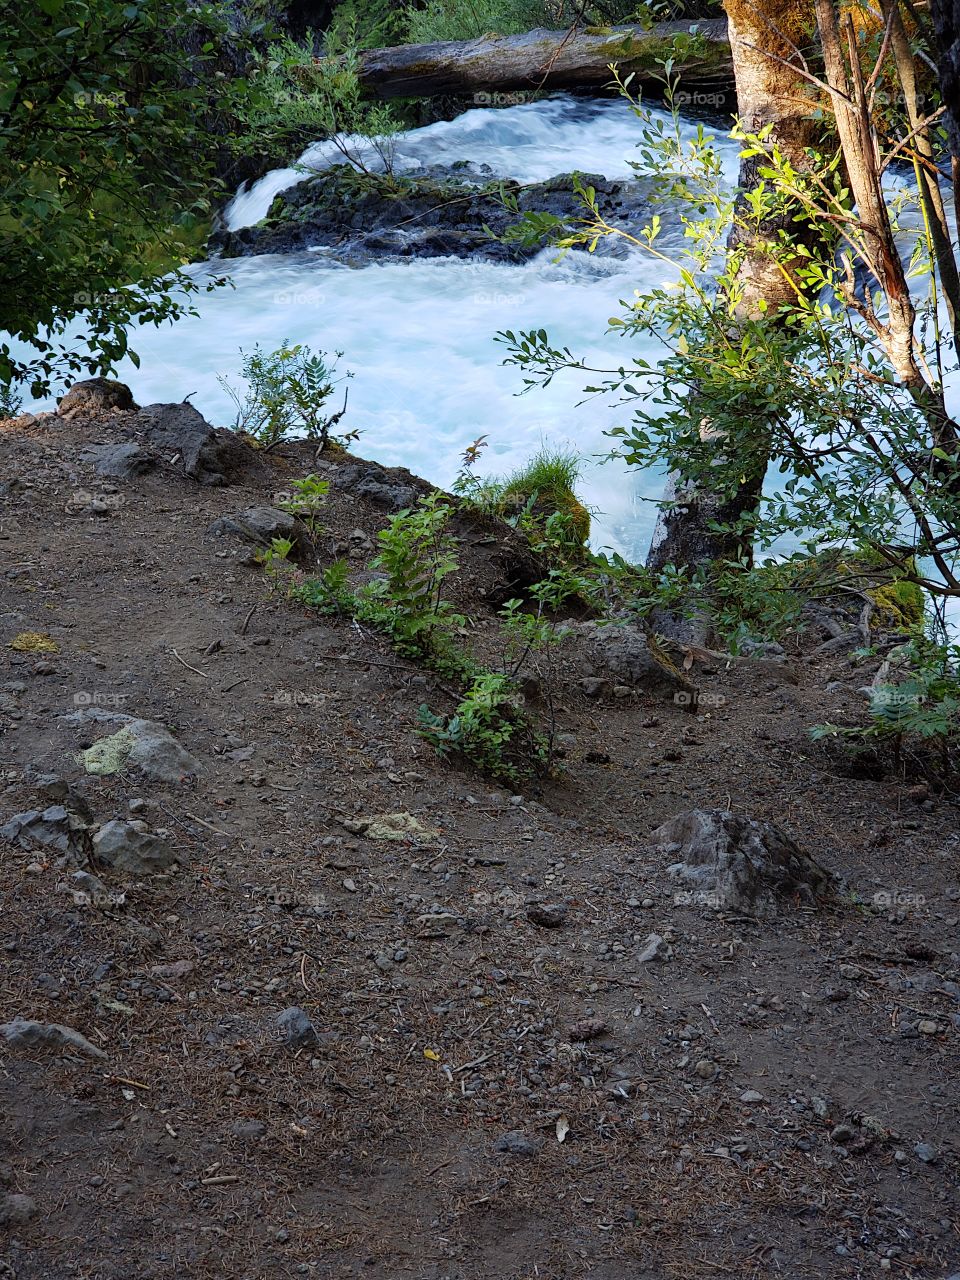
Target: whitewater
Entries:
(419, 335)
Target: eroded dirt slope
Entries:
(764, 1097)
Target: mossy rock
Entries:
(900, 603)
(544, 488)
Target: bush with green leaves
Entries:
(10, 401)
(285, 395)
(914, 709)
(490, 730)
(111, 138)
(416, 556)
(305, 98)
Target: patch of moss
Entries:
(33, 642)
(899, 603)
(544, 487)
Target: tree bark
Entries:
(945, 15)
(767, 39)
(549, 60)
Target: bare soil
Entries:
(761, 1101)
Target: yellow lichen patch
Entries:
(109, 755)
(391, 826)
(33, 642)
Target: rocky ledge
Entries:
(456, 211)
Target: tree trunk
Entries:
(946, 24)
(550, 60)
(767, 39)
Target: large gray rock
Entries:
(124, 461)
(23, 1033)
(132, 847)
(210, 456)
(260, 525)
(625, 651)
(734, 863)
(137, 744)
(388, 489)
(95, 395)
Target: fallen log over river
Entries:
(558, 60)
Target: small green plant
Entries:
(330, 592)
(285, 395)
(307, 500)
(416, 557)
(489, 729)
(10, 400)
(275, 559)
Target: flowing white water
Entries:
(530, 143)
(419, 335)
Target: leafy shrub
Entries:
(490, 730)
(10, 401)
(285, 395)
(113, 130)
(306, 98)
(918, 714)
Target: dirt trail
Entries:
(771, 1097)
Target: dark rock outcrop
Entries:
(210, 456)
(447, 212)
(734, 863)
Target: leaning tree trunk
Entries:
(767, 39)
(540, 59)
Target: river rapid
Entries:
(419, 335)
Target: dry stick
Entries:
(216, 830)
(205, 674)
